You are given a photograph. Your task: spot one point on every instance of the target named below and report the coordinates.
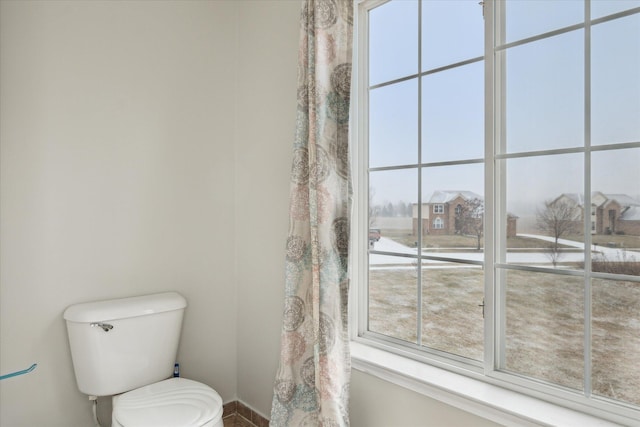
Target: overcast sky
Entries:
(544, 92)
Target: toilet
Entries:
(126, 348)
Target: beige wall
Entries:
(136, 140)
(117, 166)
(265, 123)
(377, 403)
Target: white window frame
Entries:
(485, 391)
(438, 223)
(438, 208)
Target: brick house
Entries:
(610, 213)
(440, 214)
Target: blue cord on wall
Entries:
(15, 374)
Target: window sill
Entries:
(476, 397)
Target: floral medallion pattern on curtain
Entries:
(312, 383)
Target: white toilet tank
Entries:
(123, 344)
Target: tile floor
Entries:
(236, 420)
(237, 414)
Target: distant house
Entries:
(609, 213)
(441, 215)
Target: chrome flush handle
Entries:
(105, 326)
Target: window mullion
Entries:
(419, 152)
(489, 219)
(496, 123)
(361, 174)
(587, 199)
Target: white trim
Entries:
(360, 154)
(477, 397)
(438, 223)
(489, 301)
(588, 315)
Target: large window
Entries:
(501, 150)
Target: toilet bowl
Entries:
(176, 402)
(126, 348)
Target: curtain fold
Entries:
(312, 383)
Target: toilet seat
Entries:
(171, 403)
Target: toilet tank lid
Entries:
(123, 308)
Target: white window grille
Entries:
(547, 118)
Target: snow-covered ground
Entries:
(526, 257)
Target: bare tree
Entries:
(469, 218)
(553, 253)
(558, 218)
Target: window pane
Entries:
(393, 283)
(393, 298)
(452, 31)
(393, 41)
(544, 206)
(600, 8)
(453, 114)
(615, 211)
(426, 207)
(452, 297)
(544, 329)
(393, 124)
(615, 328)
(460, 178)
(532, 17)
(545, 93)
(392, 194)
(453, 219)
(615, 81)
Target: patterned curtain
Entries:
(312, 383)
